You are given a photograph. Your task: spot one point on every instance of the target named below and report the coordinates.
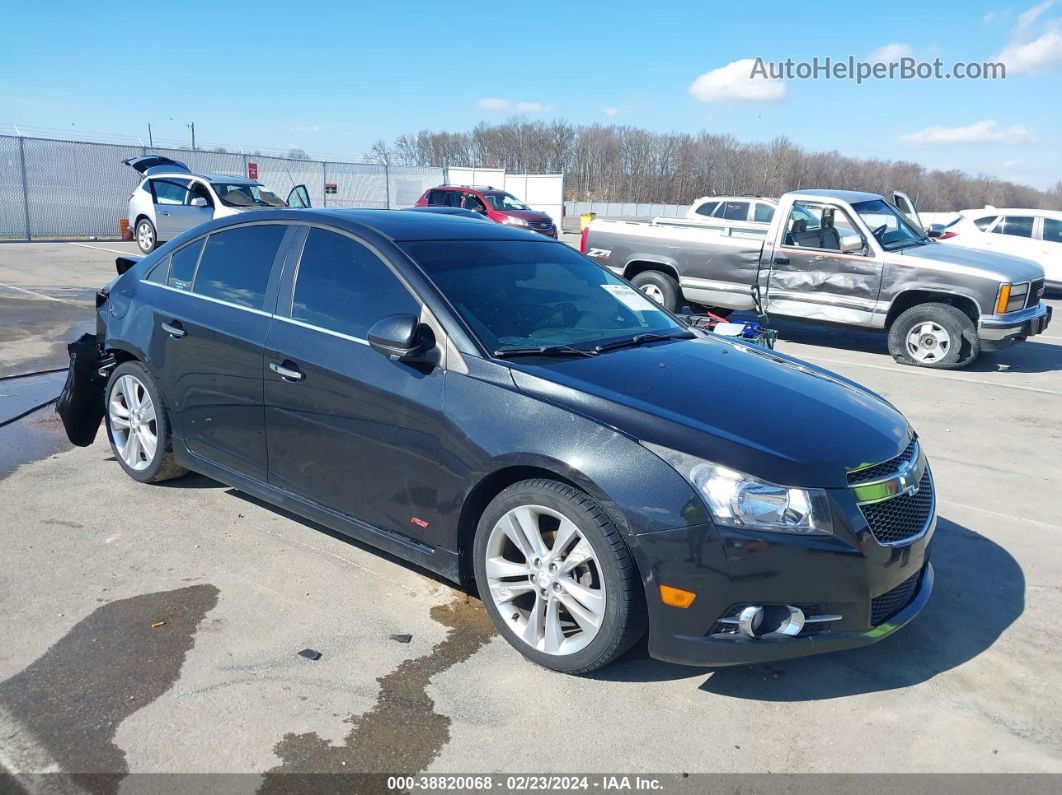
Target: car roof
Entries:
(850, 196)
(396, 225)
(982, 211)
(208, 177)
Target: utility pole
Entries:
(192, 127)
(151, 141)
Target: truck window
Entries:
(985, 222)
(819, 227)
(734, 211)
(1017, 225)
(764, 213)
(1052, 230)
(707, 208)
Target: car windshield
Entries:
(516, 294)
(505, 201)
(889, 226)
(237, 194)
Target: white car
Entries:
(171, 199)
(1021, 232)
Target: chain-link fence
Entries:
(625, 209)
(52, 189)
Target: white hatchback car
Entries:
(171, 199)
(1032, 234)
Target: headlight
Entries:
(1011, 297)
(512, 219)
(739, 500)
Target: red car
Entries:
(497, 205)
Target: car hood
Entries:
(738, 405)
(974, 262)
(527, 215)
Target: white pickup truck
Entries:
(837, 256)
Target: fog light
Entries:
(756, 621)
(750, 619)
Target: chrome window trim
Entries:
(208, 298)
(328, 331)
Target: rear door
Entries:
(170, 196)
(347, 427)
(211, 316)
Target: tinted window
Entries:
(157, 272)
(345, 287)
(236, 264)
(437, 197)
(1017, 225)
(472, 202)
(735, 211)
(1052, 230)
(764, 213)
(169, 192)
(515, 294)
(985, 222)
(182, 265)
(707, 208)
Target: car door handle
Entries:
(174, 329)
(781, 260)
(292, 373)
(163, 212)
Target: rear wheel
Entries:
(556, 578)
(146, 239)
(934, 335)
(137, 425)
(661, 287)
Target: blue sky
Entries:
(334, 77)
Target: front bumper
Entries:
(845, 574)
(997, 331)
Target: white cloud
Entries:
(529, 107)
(496, 103)
(995, 16)
(1012, 163)
(610, 111)
(890, 53)
(980, 132)
(735, 83)
(493, 103)
(1033, 47)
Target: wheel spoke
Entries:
(565, 533)
(512, 531)
(499, 568)
(119, 421)
(147, 411)
(586, 620)
(533, 630)
(148, 442)
(554, 637)
(579, 554)
(131, 393)
(505, 592)
(527, 523)
(131, 451)
(591, 599)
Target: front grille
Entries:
(541, 224)
(1035, 291)
(882, 470)
(899, 518)
(884, 607)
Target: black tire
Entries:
(624, 621)
(662, 289)
(963, 348)
(147, 239)
(162, 465)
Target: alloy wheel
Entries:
(928, 342)
(134, 423)
(654, 292)
(145, 238)
(545, 579)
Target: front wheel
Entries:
(557, 578)
(934, 335)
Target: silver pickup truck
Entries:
(842, 257)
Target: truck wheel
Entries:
(145, 235)
(661, 288)
(138, 427)
(934, 335)
(557, 578)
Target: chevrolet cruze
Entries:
(494, 406)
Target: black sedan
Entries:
(494, 406)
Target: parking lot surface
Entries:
(157, 628)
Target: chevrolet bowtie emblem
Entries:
(905, 475)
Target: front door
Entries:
(211, 315)
(823, 268)
(347, 427)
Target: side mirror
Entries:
(851, 244)
(935, 231)
(199, 201)
(397, 337)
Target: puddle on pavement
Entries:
(109, 665)
(402, 732)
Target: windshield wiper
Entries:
(641, 339)
(543, 350)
